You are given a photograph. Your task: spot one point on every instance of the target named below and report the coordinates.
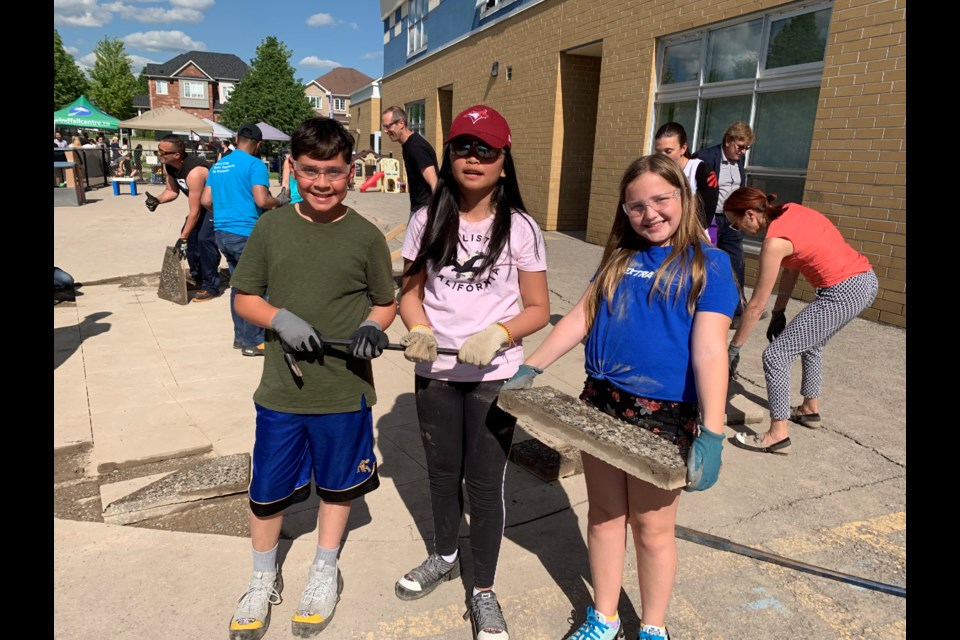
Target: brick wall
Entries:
(856, 174)
(364, 121)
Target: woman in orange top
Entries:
(800, 240)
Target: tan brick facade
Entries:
(857, 168)
(365, 121)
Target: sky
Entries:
(322, 34)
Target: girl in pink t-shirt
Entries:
(474, 280)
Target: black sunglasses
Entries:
(463, 148)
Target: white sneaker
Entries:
(252, 616)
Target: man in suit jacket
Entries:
(727, 161)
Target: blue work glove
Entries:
(778, 320)
(297, 333)
(368, 341)
(703, 461)
(733, 353)
(181, 247)
(523, 378)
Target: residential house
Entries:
(329, 95)
(586, 83)
(365, 116)
(199, 82)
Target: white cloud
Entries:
(371, 55)
(199, 5)
(71, 50)
(314, 61)
(156, 14)
(80, 13)
(320, 20)
(137, 63)
(354, 26)
(86, 62)
(163, 41)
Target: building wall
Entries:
(365, 121)
(857, 169)
(172, 97)
(314, 90)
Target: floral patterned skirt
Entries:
(674, 421)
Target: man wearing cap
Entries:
(188, 173)
(419, 158)
(238, 187)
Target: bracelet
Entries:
(507, 331)
(425, 326)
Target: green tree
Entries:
(799, 41)
(113, 85)
(269, 92)
(143, 85)
(69, 82)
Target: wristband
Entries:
(425, 326)
(507, 331)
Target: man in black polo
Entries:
(419, 158)
(188, 173)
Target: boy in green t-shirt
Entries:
(328, 273)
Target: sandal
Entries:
(755, 443)
(809, 420)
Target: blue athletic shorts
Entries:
(335, 448)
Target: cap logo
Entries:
(479, 114)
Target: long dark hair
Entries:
(441, 234)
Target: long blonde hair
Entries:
(623, 243)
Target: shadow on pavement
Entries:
(66, 340)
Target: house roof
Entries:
(141, 101)
(221, 66)
(343, 81)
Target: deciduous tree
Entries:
(114, 85)
(269, 92)
(69, 81)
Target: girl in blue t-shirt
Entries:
(656, 316)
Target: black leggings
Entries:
(466, 437)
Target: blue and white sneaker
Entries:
(652, 632)
(596, 628)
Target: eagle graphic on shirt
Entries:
(468, 267)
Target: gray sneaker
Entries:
(431, 573)
(487, 618)
(319, 600)
(252, 616)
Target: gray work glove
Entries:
(733, 353)
(368, 341)
(297, 333)
(283, 196)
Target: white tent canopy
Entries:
(168, 119)
(219, 131)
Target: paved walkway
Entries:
(138, 379)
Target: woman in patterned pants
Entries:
(800, 240)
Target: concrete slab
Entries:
(559, 418)
(180, 490)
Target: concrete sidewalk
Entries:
(139, 379)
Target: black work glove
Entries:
(152, 201)
(181, 247)
(297, 333)
(733, 352)
(368, 341)
(778, 320)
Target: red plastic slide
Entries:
(372, 180)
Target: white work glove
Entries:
(420, 344)
(480, 348)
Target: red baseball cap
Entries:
(483, 122)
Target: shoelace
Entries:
(433, 568)
(256, 595)
(487, 613)
(590, 630)
(319, 589)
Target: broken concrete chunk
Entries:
(557, 418)
(182, 490)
